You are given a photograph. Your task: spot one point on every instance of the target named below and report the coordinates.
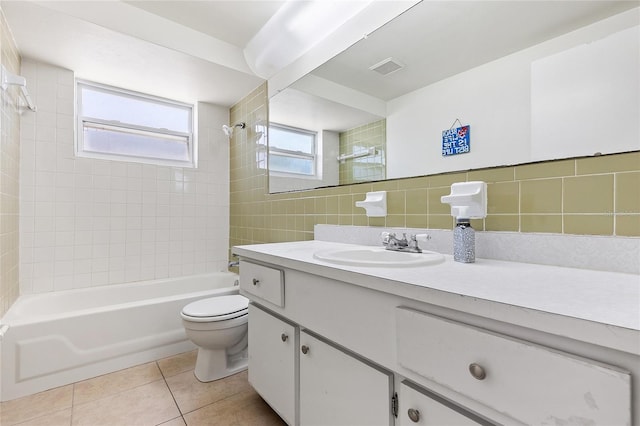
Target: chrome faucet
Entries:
(392, 242)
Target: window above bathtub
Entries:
(118, 124)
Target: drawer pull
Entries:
(256, 281)
(284, 337)
(477, 371)
(414, 415)
(305, 349)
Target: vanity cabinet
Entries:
(272, 361)
(340, 390)
(356, 347)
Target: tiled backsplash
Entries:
(86, 222)
(584, 196)
(9, 175)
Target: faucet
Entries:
(392, 242)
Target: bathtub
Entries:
(53, 339)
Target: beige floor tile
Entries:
(178, 421)
(241, 409)
(150, 404)
(190, 394)
(34, 406)
(58, 418)
(178, 364)
(113, 383)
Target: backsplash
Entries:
(582, 196)
(9, 175)
(595, 252)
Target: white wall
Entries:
(496, 100)
(86, 222)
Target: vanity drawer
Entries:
(421, 407)
(263, 282)
(528, 382)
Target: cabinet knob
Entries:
(305, 349)
(414, 415)
(284, 337)
(256, 281)
(477, 371)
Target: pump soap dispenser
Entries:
(468, 201)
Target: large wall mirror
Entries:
(533, 81)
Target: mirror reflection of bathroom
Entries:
(425, 67)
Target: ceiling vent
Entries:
(387, 66)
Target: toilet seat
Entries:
(214, 309)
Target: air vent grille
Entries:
(387, 66)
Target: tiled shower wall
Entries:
(593, 196)
(9, 174)
(356, 140)
(86, 222)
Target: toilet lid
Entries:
(217, 306)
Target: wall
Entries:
(86, 222)
(9, 174)
(590, 196)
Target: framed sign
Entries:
(456, 140)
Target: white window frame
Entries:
(83, 121)
(297, 154)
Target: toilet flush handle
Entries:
(256, 281)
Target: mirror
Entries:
(551, 86)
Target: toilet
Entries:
(218, 326)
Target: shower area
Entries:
(78, 224)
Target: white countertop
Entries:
(594, 306)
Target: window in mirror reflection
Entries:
(292, 150)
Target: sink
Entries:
(378, 257)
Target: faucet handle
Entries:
(423, 238)
(385, 237)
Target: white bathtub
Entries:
(53, 339)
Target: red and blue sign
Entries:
(456, 141)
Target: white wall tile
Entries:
(94, 222)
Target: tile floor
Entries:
(164, 393)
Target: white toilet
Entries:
(218, 326)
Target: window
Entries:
(291, 150)
(117, 124)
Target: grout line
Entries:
(170, 392)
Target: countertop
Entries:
(594, 306)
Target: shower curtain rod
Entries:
(9, 78)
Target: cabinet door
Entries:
(272, 354)
(338, 389)
(420, 407)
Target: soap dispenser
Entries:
(468, 201)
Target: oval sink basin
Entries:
(378, 257)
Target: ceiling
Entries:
(235, 22)
(218, 51)
(214, 51)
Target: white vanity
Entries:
(492, 342)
